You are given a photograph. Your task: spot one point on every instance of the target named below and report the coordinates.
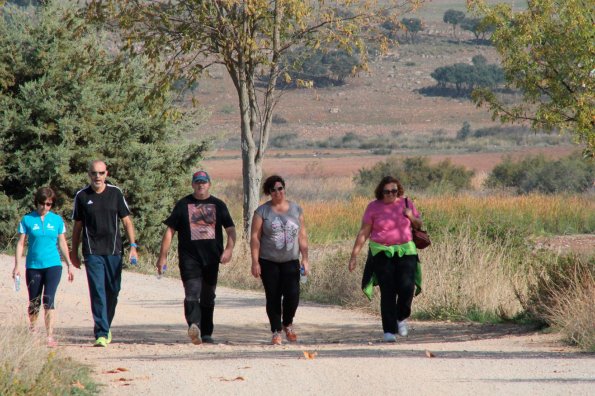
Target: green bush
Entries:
(418, 174)
(538, 174)
(65, 99)
(284, 140)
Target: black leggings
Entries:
(44, 281)
(281, 283)
(396, 278)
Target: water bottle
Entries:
(163, 269)
(303, 276)
(17, 283)
(133, 260)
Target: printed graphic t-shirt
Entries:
(100, 214)
(389, 225)
(42, 239)
(199, 224)
(280, 231)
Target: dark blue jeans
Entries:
(104, 274)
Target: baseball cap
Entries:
(201, 176)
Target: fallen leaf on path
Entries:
(310, 355)
(78, 385)
(116, 371)
(238, 378)
(430, 354)
(122, 379)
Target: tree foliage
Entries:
(66, 99)
(539, 174)
(480, 27)
(412, 26)
(453, 17)
(548, 53)
(249, 38)
(464, 77)
(317, 68)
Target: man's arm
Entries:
(231, 242)
(165, 245)
(76, 241)
(129, 228)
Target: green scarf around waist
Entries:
(405, 249)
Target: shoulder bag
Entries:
(420, 237)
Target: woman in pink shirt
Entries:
(392, 255)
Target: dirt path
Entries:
(150, 343)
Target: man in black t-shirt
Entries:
(97, 210)
(199, 219)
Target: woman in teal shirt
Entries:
(45, 233)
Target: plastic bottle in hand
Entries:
(17, 283)
(133, 260)
(303, 276)
(163, 269)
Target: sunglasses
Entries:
(393, 191)
(49, 204)
(278, 189)
(92, 173)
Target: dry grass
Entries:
(28, 367)
(562, 293)
(469, 274)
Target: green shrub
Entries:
(538, 174)
(416, 173)
(284, 140)
(70, 99)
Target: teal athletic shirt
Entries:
(42, 239)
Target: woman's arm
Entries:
(64, 250)
(255, 234)
(415, 222)
(19, 254)
(362, 236)
(303, 242)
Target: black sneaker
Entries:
(207, 339)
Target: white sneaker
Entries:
(402, 326)
(194, 334)
(389, 337)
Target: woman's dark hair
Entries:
(269, 183)
(43, 194)
(388, 180)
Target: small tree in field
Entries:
(453, 17)
(548, 53)
(412, 27)
(249, 38)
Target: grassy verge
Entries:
(28, 367)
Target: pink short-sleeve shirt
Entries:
(389, 225)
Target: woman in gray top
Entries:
(278, 237)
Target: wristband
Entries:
(134, 245)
